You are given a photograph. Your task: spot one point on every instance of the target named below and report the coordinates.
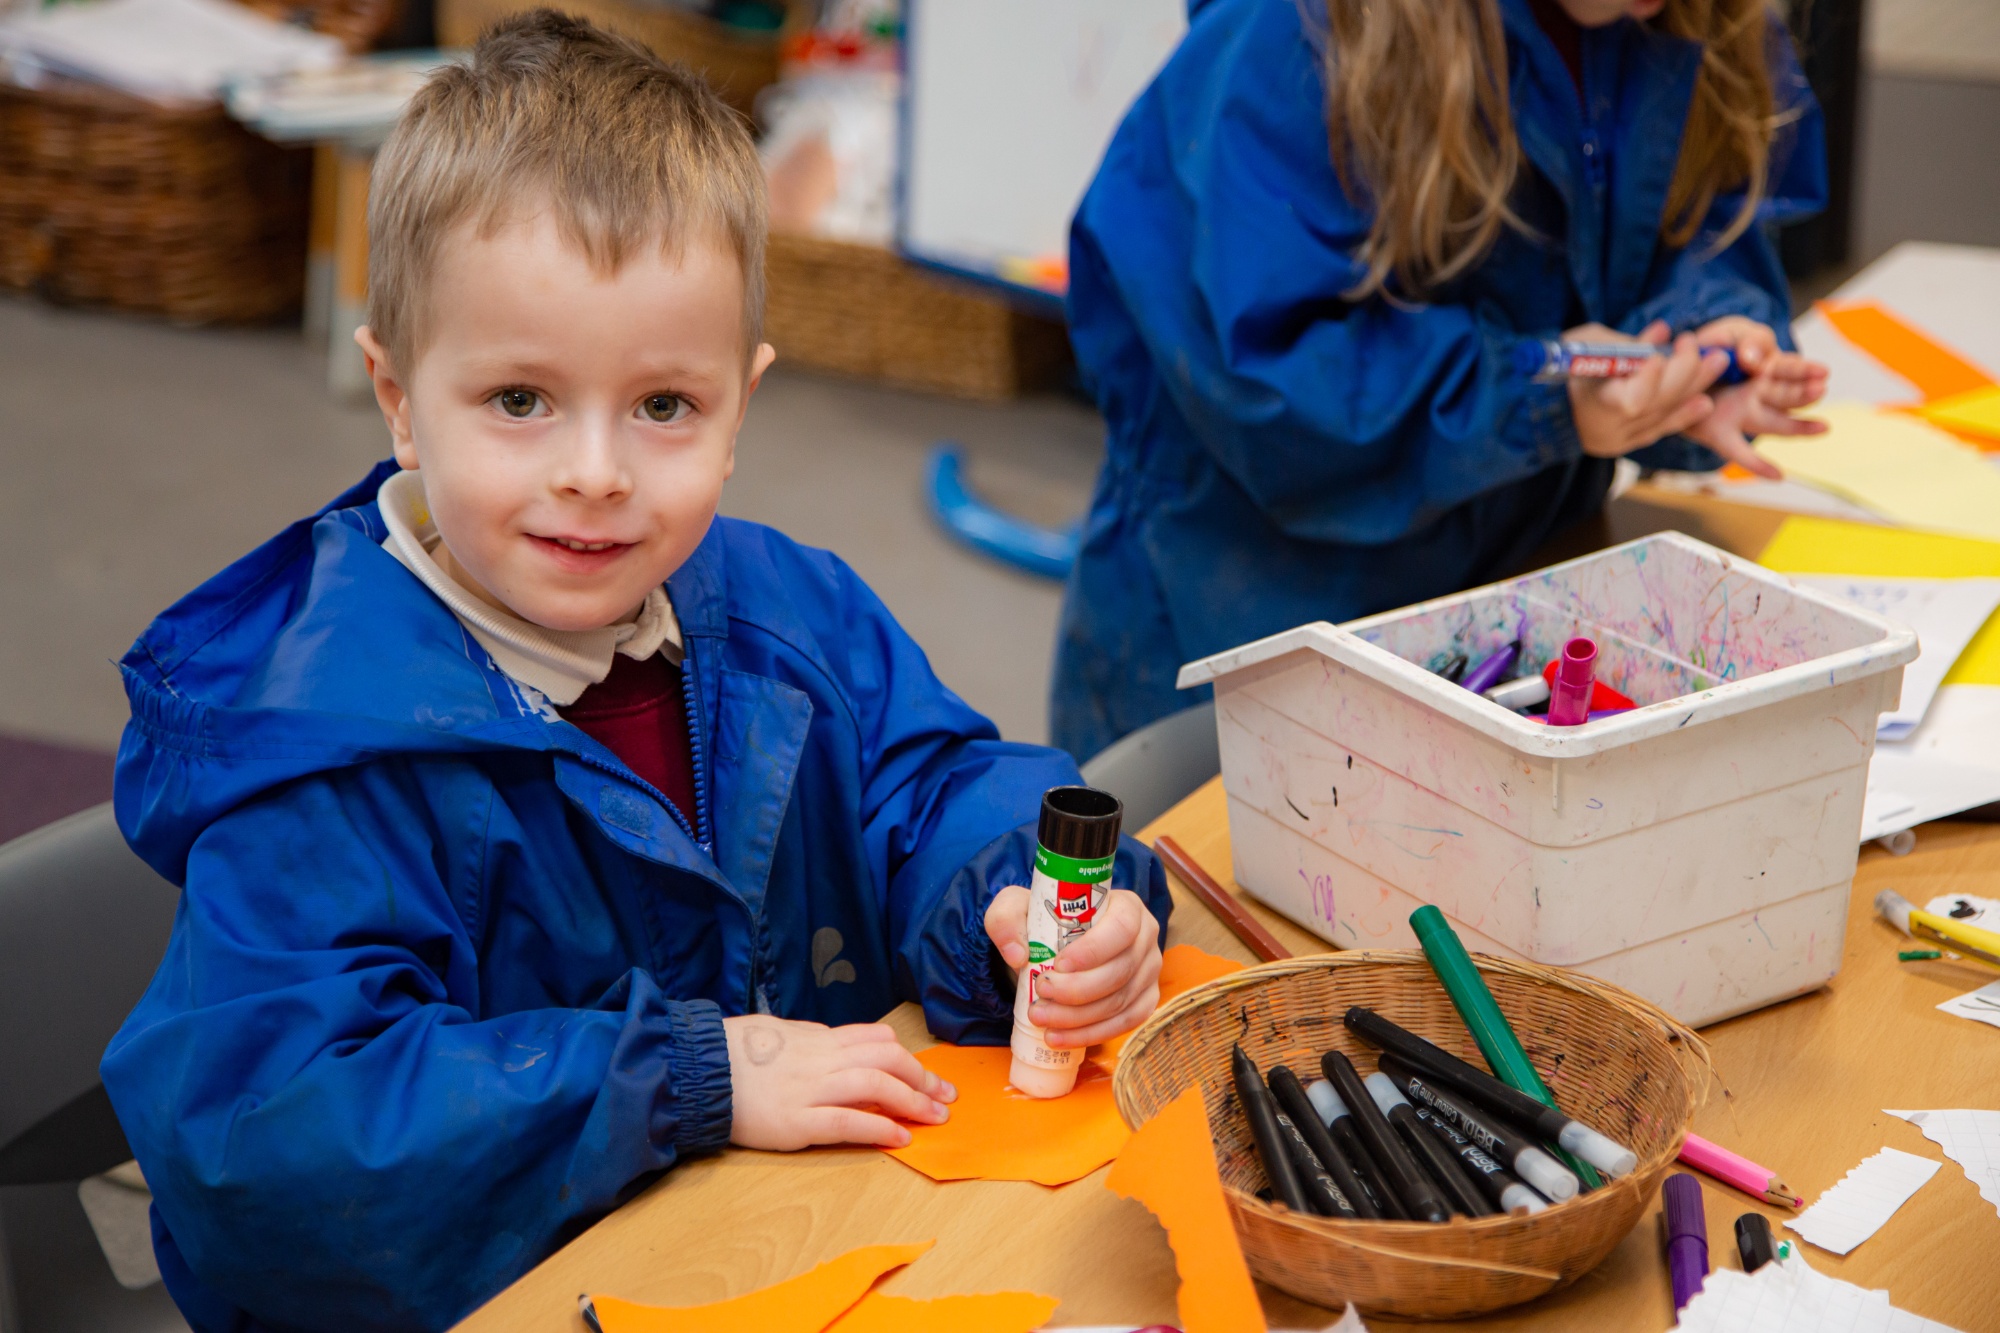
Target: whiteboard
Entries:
(1008, 107)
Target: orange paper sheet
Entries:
(807, 1303)
(1936, 371)
(996, 1133)
(1169, 1166)
(1000, 1312)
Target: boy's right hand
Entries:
(795, 1085)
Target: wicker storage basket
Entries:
(106, 199)
(1611, 1059)
(737, 64)
(862, 310)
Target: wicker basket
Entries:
(861, 310)
(737, 64)
(106, 199)
(1611, 1058)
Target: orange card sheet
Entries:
(1937, 371)
(1000, 1312)
(1169, 1166)
(807, 1303)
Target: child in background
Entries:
(538, 827)
(1299, 279)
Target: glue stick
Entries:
(1077, 840)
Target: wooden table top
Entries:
(1802, 1087)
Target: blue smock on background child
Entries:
(1279, 454)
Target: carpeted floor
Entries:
(40, 783)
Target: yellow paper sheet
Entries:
(1903, 469)
(1976, 413)
(1000, 1312)
(803, 1304)
(1828, 546)
(996, 1133)
(1169, 1166)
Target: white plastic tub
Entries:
(1698, 850)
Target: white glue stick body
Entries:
(1078, 840)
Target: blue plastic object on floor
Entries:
(1046, 551)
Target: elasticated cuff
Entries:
(697, 1083)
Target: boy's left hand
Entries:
(1102, 985)
(1780, 383)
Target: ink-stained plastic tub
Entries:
(1697, 850)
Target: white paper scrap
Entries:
(1865, 1198)
(1945, 613)
(1967, 909)
(1793, 1297)
(1970, 1138)
(1949, 763)
(1981, 1006)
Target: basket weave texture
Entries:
(1613, 1061)
(862, 310)
(106, 199)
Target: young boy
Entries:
(538, 827)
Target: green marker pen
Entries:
(1482, 1017)
(1077, 842)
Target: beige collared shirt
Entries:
(561, 664)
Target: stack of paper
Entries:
(358, 101)
(1897, 466)
(1792, 1297)
(1945, 613)
(162, 50)
(1865, 1198)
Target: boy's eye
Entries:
(518, 402)
(664, 407)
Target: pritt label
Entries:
(1076, 904)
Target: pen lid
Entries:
(1682, 1196)
(1579, 662)
(1080, 823)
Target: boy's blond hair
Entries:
(621, 147)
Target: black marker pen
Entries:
(1507, 1194)
(1459, 1191)
(1526, 1160)
(1339, 1122)
(1404, 1177)
(1264, 1130)
(1292, 1100)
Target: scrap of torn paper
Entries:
(1981, 1006)
(1000, 1312)
(1970, 1138)
(1793, 1297)
(998, 1133)
(1865, 1198)
(1169, 1166)
(807, 1303)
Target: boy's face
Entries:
(574, 428)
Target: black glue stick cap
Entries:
(1080, 822)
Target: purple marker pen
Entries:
(1492, 670)
(1687, 1237)
(1569, 693)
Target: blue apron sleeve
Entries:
(332, 1140)
(948, 815)
(1217, 228)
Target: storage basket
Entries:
(862, 310)
(1612, 1060)
(107, 199)
(738, 64)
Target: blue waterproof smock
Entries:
(1277, 454)
(448, 978)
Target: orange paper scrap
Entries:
(1001, 1312)
(1169, 1166)
(807, 1303)
(1936, 371)
(997, 1133)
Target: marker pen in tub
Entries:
(1569, 692)
(1077, 841)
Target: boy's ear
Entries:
(760, 361)
(390, 395)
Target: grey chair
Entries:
(1154, 767)
(83, 924)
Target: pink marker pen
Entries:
(1569, 694)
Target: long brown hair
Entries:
(1420, 127)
